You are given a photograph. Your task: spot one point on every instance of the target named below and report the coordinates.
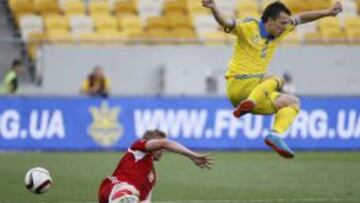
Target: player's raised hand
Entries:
(202, 160)
(208, 3)
(336, 9)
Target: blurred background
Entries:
(93, 75)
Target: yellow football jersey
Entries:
(252, 50)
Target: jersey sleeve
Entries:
(289, 28)
(241, 28)
(139, 145)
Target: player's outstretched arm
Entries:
(226, 23)
(315, 15)
(201, 160)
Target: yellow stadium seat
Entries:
(129, 22)
(354, 38)
(159, 35)
(88, 38)
(265, 3)
(29, 24)
(352, 29)
(56, 22)
(45, 7)
(184, 34)
(157, 22)
(111, 36)
(213, 38)
(329, 23)
(99, 7)
(335, 37)
(72, 8)
(19, 7)
(134, 33)
(352, 25)
(195, 8)
(245, 14)
(104, 22)
(318, 4)
(296, 6)
(247, 6)
(60, 36)
(293, 39)
(35, 40)
(179, 20)
(125, 6)
(174, 6)
(313, 38)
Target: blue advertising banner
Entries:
(77, 123)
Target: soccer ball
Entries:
(38, 180)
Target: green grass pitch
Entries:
(258, 177)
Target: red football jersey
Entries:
(136, 168)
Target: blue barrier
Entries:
(37, 123)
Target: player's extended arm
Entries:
(201, 160)
(315, 15)
(226, 23)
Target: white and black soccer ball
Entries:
(38, 180)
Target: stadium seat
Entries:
(293, 38)
(45, 7)
(74, 8)
(352, 28)
(99, 8)
(134, 33)
(251, 13)
(358, 7)
(157, 22)
(30, 24)
(60, 36)
(104, 22)
(179, 20)
(318, 4)
(296, 6)
(111, 36)
(159, 35)
(34, 41)
(313, 38)
(148, 8)
(129, 21)
(213, 38)
(56, 22)
(20, 8)
(174, 6)
(81, 24)
(125, 7)
(264, 4)
(249, 6)
(195, 8)
(185, 35)
(335, 37)
(328, 23)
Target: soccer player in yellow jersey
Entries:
(248, 89)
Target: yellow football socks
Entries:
(284, 117)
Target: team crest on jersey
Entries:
(105, 129)
(256, 39)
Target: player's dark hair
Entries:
(16, 62)
(153, 134)
(273, 11)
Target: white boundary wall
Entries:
(136, 70)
